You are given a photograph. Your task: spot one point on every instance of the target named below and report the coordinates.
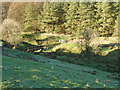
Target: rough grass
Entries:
(52, 42)
(71, 51)
(42, 72)
(67, 47)
(104, 40)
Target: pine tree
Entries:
(105, 19)
(65, 8)
(71, 18)
(116, 8)
(28, 18)
(52, 16)
(86, 17)
(32, 20)
(36, 22)
(116, 28)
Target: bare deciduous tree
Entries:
(11, 31)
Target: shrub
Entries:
(11, 31)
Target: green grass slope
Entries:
(25, 70)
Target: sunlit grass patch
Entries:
(68, 48)
(35, 70)
(64, 84)
(36, 77)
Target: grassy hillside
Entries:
(60, 45)
(102, 57)
(25, 70)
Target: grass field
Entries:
(72, 51)
(25, 70)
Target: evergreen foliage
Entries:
(73, 18)
(105, 20)
(28, 18)
(52, 16)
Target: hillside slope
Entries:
(22, 69)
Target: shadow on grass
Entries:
(87, 58)
(106, 63)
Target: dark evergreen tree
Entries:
(86, 18)
(71, 18)
(52, 16)
(28, 18)
(115, 13)
(116, 28)
(36, 22)
(105, 19)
